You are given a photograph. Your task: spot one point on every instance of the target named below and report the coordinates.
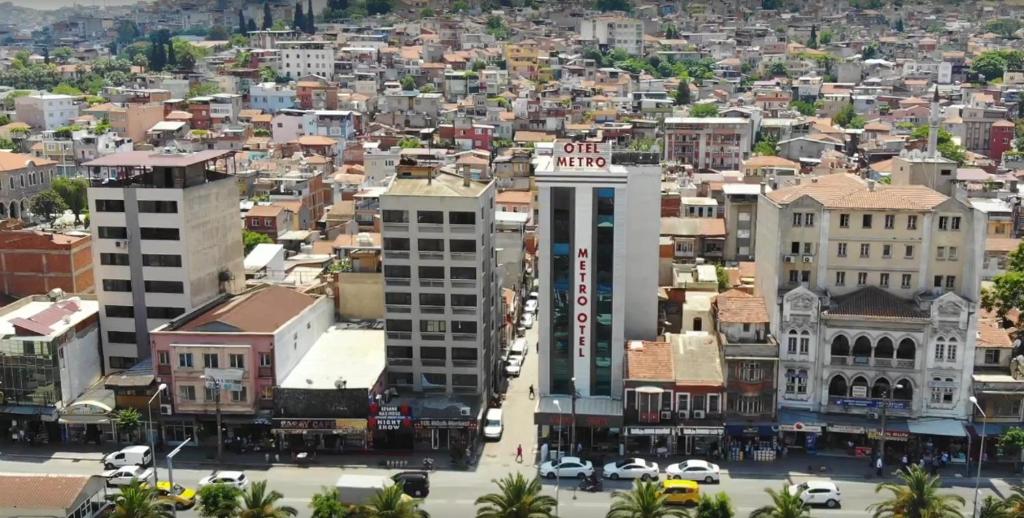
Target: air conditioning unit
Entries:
(166, 410)
(684, 414)
(698, 414)
(790, 258)
(666, 414)
(808, 258)
(873, 415)
(464, 411)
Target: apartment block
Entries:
(166, 239)
(46, 111)
(720, 143)
(615, 32)
(303, 58)
(34, 262)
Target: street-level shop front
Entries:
(702, 440)
(598, 424)
(327, 434)
(751, 441)
(430, 423)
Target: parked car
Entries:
(527, 320)
(568, 467)
(128, 456)
(513, 366)
(680, 492)
(530, 306)
(414, 483)
(178, 496)
(698, 470)
(631, 468)
(494, 425)
(533, 295)
(235, 478)
(818, 492)
(125, 475)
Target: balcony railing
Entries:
(432, 309)
(430, 227)
(462, 229)
(433, 362)
(396, 227)
(400, 335)
(399, 361)
(431, 255)
(463, 256)
(463, 283)
(464, 363)
(868, 361)
(431, 336)
(396, 281)
(265, 372)
(432, 283)
(464, 310)
(464, 337)
(395, 308)
(163, 369)
(396, 254)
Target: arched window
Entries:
(884, 348)
(907, 349)
(840, 346)
(860, 383)
(805, 342)
(861, 350)
(940, 349)
(904, 390)
(837, 386)
(791, 341)
(880, 389)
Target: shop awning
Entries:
(937, 426)
(590, 411)
(992, 429)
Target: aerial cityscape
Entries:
(512, 258)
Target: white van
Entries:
(493, 424)
(129, 456)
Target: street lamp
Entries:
(170, 470)
(152, 446)
(216, 398)
(572, 433)
(558, 456)
(981, 453)
(886, 402)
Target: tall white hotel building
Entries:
(598, 267)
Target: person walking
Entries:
(878, 466)
(519, 453)
(532, 393)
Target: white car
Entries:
(818, 492)
(514, 365)
(527, 320)
(568, 467)
(125, 475)
(530, 306)
(631, 468)
(698, 470)
(235, 478)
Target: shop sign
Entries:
(581, 156)
(345, 425)
(638, 430)
(582, 300)
(446, 423)
(858, 392)
(872, 403)
(801, 427)
(702, 430)
(843, 428)
(389, 417)
(890, 435)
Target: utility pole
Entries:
(572, 434)
(170, 470)
(216, 398)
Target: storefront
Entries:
(598, 425)
(650, 440)
(751, 441)
(332, 435)
(700, 440)
(391, 426)
(441, 434)
(90, 419)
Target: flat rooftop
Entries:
(345, 351)
(442, 184)
(697, 359)
(157, 159)
(38, 316)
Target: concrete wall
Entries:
(360, 295)
(82, 364)
(295, 338)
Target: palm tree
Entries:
(718, 506)
(645, 500)
(517, 497)
(257, 502)
(327, 504)
(917, 497)
(1015, 502)
(784, 505)
(137, 501)
(391, 502)
(993, 507)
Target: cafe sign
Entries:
(344, 425)
(890, 435)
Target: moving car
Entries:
(530, 306)
(235, 478)
(493, 424)
(527, 320)
(128, 456)
(125, 475)
(699, 470)
(414, 483)
(513, 365)
(568, 467)
(817, 492)
(680, 492)
(360, 489)
(631, 468)
(178, 496)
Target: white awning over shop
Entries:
(937, 426)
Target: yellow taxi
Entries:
(680, 492)
(181, 497)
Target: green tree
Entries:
(670, 31)
(74, 192)
(378, 6)
(219, 500)
(844, 116)
(261, 132)
(1012, 440)
(66, 89)
(203, 89)
(704, 110)
(683, 92)
(645, 500)
(1015, 502)
(718, 506)
(992, 507)
(250, 26)
(6, 143)
(723, 278)
(460, 6)
(870, 52)
(803, 107)
(48, 205)
(613, 5)
(993, 63)
(310, 18)
(62, 54)
(409, 143)
(268, 16)
(138, 501)
(267, 74)
(825, 37)
(784, 505)
(241, 22)
(250, 239)
(916, 497)
(218, 33)
(408, 83)
(4, 119)
(899, 25)
(1004, 27)
(128, 419)
(778, 69)
(517, 497)
(946, 147)
(257, 502)
(767, 147)
(391, 502)
(327, 504)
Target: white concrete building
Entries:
(617, 32)
(598, 273)
(271, 97)
(46, 111)
(442, 301)
(302, 58)
(166, 239)
(378, 163)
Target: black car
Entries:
(414, 483)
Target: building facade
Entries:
(720, 143)
(46, 111)
(21, 178)
(615, 32)
(34, 262)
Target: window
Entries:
(886, 251)
(883, 280)
(844, 221)
(940, 253)
(114, 259)
(112, 232)
(210, 394)
(796, 381)
(236, 361)
(164, 358)
(791, 343)
(159, 233)
(431, 272)
(185, 360)
(911, 222)
(890, 221)
(809, 219)
(798, 219)
(865, 221)
(163, 313)
(841, 252)
(865, 250)
(122, 285)
(952, 253)
(398, 299)
(161, 260)
(397, 272)
(938, 281)
(950, 282)
(840, 278)
(158, 207)
(794, 247)
(187, 392)
(240, 395)
(805, 276)
(808, 248)
(165, 287)
(751, 372)
(992, 356)
(121, 337)
(433, 217)
(395, 216)
(120, 312)
(109, 205)
(951, 351)
(433, 326)
(908, 252)
(211, 360)
(714, 403)
(862, 278)
(954, 223)
(805, 342)
(943, 222)
(266, 360)
(432, 299)
(905, 281)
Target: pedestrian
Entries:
(544, 449)
(532, 393)
(904, 461)
(579, 449)
(878, 466)
(519, 453)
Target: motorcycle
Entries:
(591, 485)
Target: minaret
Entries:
(933, 125)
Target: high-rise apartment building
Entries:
(598, 267)
(720, 143)
(442, 301)
(166, 239)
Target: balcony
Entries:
(463, 283)
(163, 370)
(432, 283)
(464, 310)
(868, 361)
(462, 364)
(396, 254)
(464, 337)
(463, 256)
(399, 362)
(265, 372)
(395, 308)
(462, 229)
(433, 362)
(431, 336)
(396, 281)
(396, 227)
(400, 335)
(430, 227)
(435, 310)
(432, 255)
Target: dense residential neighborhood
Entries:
(394, 257)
